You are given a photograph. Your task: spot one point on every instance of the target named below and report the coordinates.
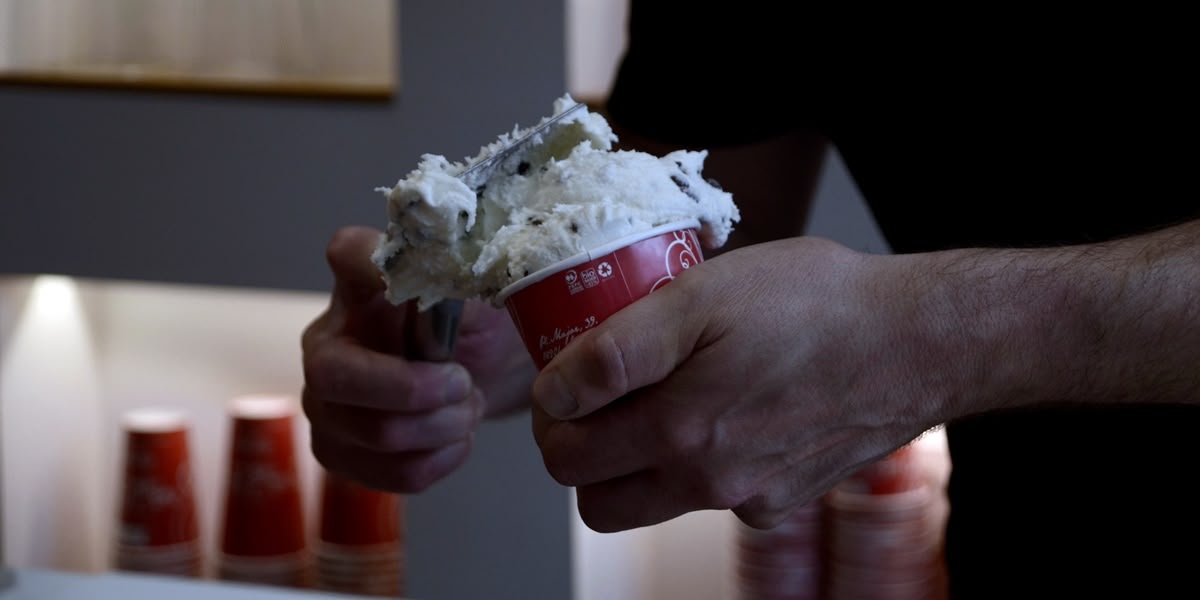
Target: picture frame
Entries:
(342, 48)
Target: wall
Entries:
(244, 191)
(238, 190)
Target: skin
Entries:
(768, 373)
(661, 410)
(386, 421)
(400, 425)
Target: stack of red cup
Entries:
(263, 538)
(157, 523)
(784, 562)
(885, 533)
(361, 545)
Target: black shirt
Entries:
(971, 132)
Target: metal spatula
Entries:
(478, 173)
(435, 330)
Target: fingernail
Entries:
(552, 393)
(457, 384)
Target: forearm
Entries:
(1108, 323)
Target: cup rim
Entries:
(154, 419)
(592, 254)
(261, 406)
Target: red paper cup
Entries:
(899, 472)
(844, 505)
(263, 525)
(158, 529)
(785, 561)
(361, 546)
(354, 515)
(555, 305)
(849, 589)
(896, 548)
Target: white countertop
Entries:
(36, 584)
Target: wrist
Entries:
(1099, 323)
(985, 324)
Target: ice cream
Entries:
(454, 234)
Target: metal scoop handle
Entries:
(434, 331)
(481, 170)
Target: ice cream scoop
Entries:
(435, 330)
(531, 199)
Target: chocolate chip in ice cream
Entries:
(563, 193)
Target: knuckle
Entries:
(681, 437)
(322, 375)
(374, 434)
(561, 469)
(560, 462)
(339, 242)
(416, 477)
(324, 454)
(760, 513)
(724, 491)
(311, 407)
(312, 332)
(758, 520)
(595, 516)
(609, 357)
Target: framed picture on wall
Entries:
(307, 47)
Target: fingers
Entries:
(341, 370)
(384, 431)
(653, 496)
(397, 472)
(759, 492)
(639, 345)
(376, 417)
(644, 499)
(608, 444)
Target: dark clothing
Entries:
(962, 138)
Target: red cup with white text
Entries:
(158, 529)
(553, 306)
(360, 545)
(263, 528)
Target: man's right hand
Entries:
(384, 420)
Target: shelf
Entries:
(39, 584)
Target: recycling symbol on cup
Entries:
(604, 269)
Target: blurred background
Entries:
(169, 174)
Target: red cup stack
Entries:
(263, 538)
(886, 533)
(157, 523)
(361, 539)
(785, 562)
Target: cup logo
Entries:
(573, 285)
(554, 311)
(680, 255)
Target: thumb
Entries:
(349, 256)
(639, 345)
(357, 306)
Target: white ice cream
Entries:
(561, 195)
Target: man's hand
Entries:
(378, 417)
(754, 382)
